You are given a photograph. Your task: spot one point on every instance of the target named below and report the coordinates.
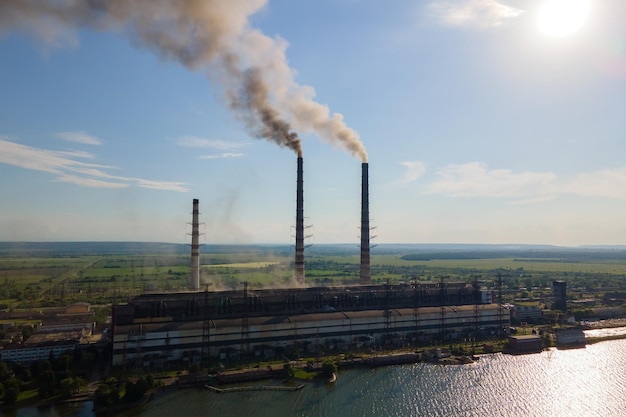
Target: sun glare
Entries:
(559, 18)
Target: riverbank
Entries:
(280, 371)
(438, 356)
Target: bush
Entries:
(328, 368)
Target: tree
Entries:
(79, 383)
(35, 369)
(5, 374)
(66, 388)
(47, 384)
(328, 368)
(11, 390)
(21, 372)
(27, 331)
(104, 395)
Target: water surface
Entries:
(589, 381)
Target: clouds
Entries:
(79, 137)
(69, 167)
(472, 13)
(222, 155)
(608, 183)
(475, 179)
(414, 170)
(228, 148)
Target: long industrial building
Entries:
(152, 330)
(155, 329)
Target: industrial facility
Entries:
(152, 330)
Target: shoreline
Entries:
(252, 374)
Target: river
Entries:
(589, 381)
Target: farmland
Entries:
(51, 275)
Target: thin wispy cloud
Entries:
(89, 182)
(76, 154)
(55, 162)
(197, 142)
(413, 171)
(66, 167)
(224, 155)
(472, 13)
(159, 185)
(79, 137)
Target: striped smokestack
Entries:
(194, 278)
(300, 224)
(365, 226)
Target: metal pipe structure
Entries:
(300, 223)
(194, 278)
(365, 227)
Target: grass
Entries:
(244, 265)
(529, 265)
(28, 396)
(302, 374)
(98, 278)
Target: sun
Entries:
(560, 18)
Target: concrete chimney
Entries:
(365, 227)
(194, 278)
(300, 224)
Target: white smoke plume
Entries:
(209, 35)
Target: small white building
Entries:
(570, 337)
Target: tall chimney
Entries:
(365, 227)
(194, 278)
(299, 224)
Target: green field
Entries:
(32, 281)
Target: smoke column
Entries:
(214, 36)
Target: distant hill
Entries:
(87, 248)
(53, 249)
(416, 252)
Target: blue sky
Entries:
(482, 124)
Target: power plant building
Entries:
(154, 329)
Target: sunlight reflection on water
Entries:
(616, 331)
(588, 381)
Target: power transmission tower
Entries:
(442, 310)
(416, 312)
(500, 307)
(206, 329)
(245, 327)
(387, 313)
(477, 302)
